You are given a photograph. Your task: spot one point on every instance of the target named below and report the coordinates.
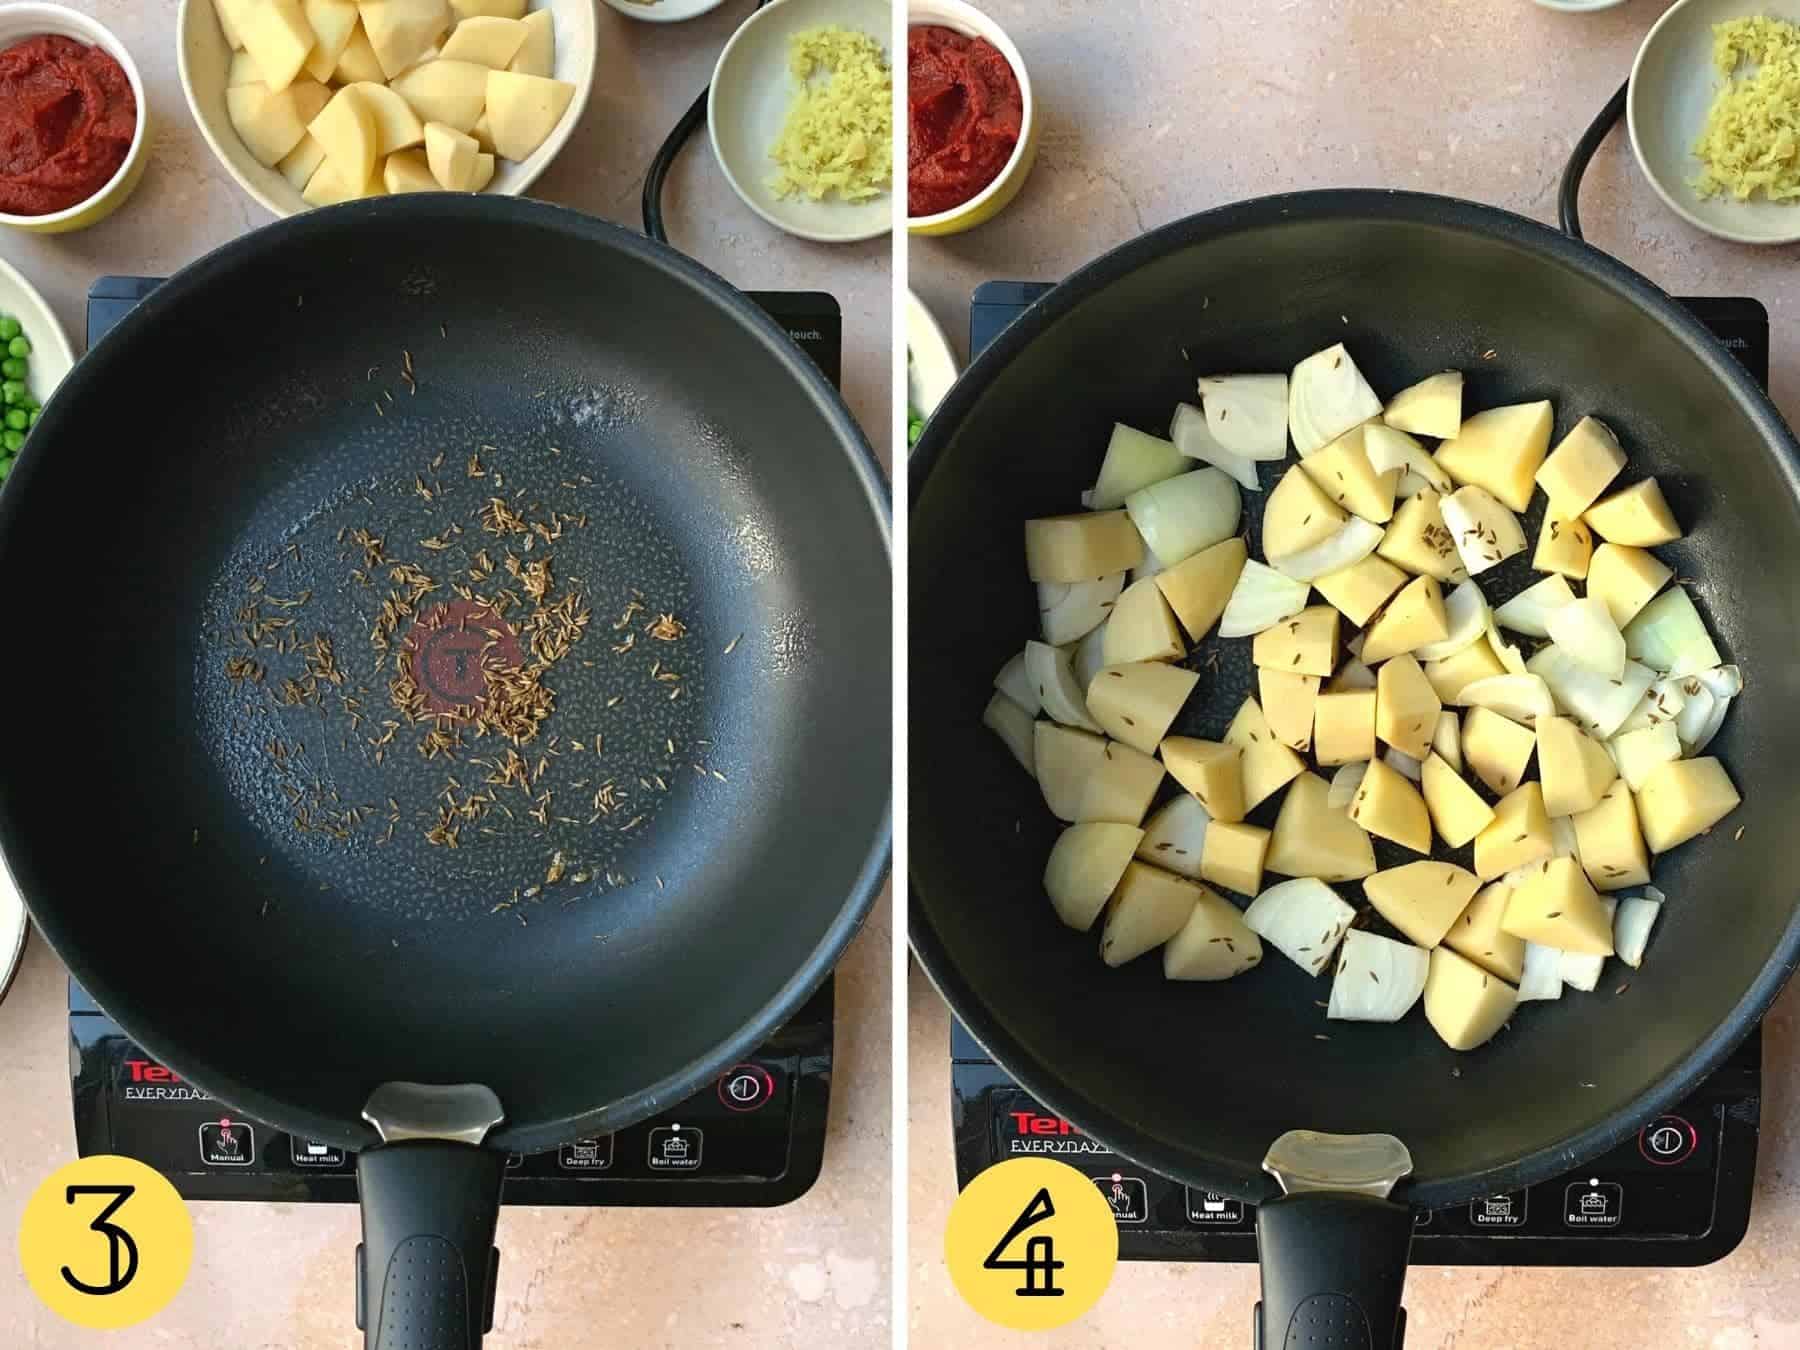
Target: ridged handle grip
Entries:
(427, 1264)
(1333, 1268)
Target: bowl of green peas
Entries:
(34, 356)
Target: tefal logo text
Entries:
(1028, 1122)
(149, 1071)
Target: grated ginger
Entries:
(1752, 135)
(839, 132)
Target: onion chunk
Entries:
(1247, 414)
(1194, 439)
(1378, 979)
(1327, 395)
(1304, 919)
(1261, 599)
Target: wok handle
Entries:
(426, 1267)
(1333, 1266)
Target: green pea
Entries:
(6, 464)
(11, 439)
(9, 328)
(11, 392)
(35, 414)
(19, 347)
(17, 419)
(13, 368)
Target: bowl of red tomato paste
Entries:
(972, 127)
(73, 140)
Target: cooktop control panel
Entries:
(755, 1137)
(1678, 1194)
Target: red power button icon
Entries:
(1668, 1140)
(746, 1087)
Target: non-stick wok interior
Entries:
(230, 425)
(1198, 1079)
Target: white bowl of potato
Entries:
(296, 97)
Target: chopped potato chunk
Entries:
(1555, 906)
(1358, 591)
(1212, 771)
(1465, 1005)
(1268, 765)
(1389, 806)
(1141, 627)
(1496, 748)
(1518, 834)
(1421, 899)
(1081, 548)
(1637, 516)
(1573, 767)
(1625, 578)
(1406, 706)
(1580, 467)
(1477, 934)
(1457, 810)
(1564, 546)
(1306, 644)
(1198, 587)
(1344, 727)
(1298, 515)
(1456, 673)
(1500, 450)
(1610, 842)
(1149, 907)
(1289, 702)
(1432, 407)
(1312, 838)
(1085, 866)
(1682, 799)
(1214, 944)
(1137, 703)
(1343, 473)
(1234, 855)
(1418, 540)
(1413, 618)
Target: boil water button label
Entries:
(1595, 1204)
(676, 1148)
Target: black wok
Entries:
(223, 446)
(1198, 1082)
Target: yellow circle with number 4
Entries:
(106, 1242)
(1031, 1244)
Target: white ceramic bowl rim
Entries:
(971, 22)
(50, 330)
(1670, 199)
(97, 35)
(657, 14)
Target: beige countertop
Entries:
(1158, 108)
(278, 1277)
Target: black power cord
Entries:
(1568, 193)
(658, 173)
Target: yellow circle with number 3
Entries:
(106, 1242)
(1031, 1244)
